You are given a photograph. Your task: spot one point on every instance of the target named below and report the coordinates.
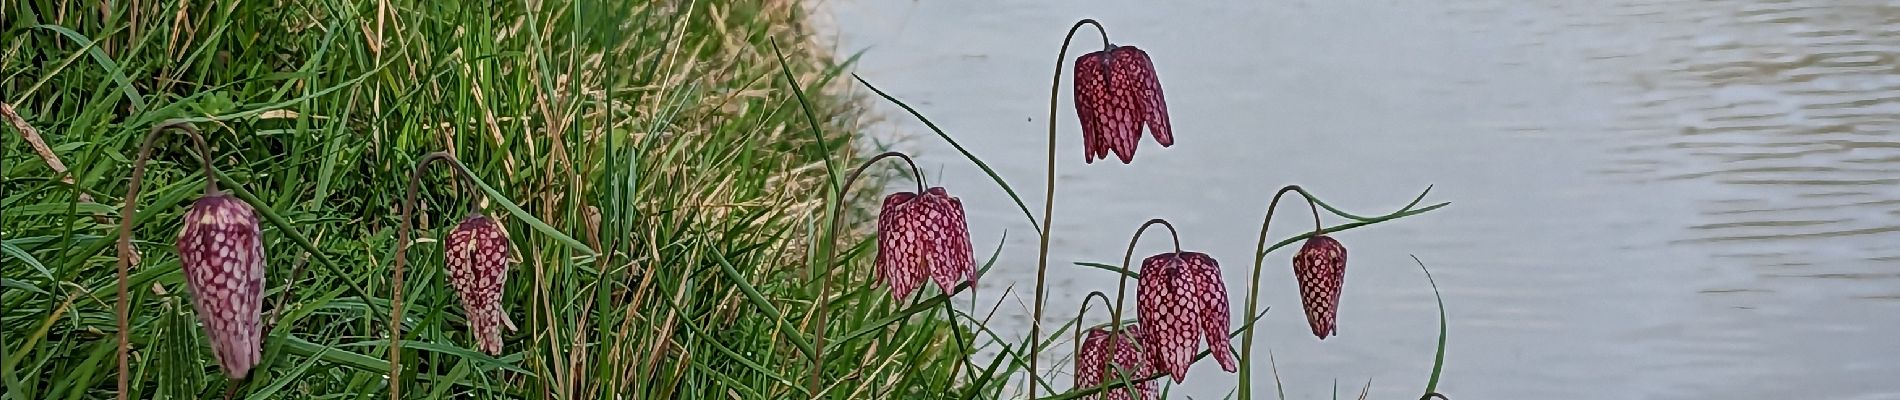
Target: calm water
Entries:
(1651, 199)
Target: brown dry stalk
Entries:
(32, 137)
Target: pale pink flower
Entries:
(1092, 367)
(923, 236)
(1180, 301)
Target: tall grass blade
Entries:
(1438, 360)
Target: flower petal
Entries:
(901, 244)
(1204, 275)
(951, 260)
(1140, 70)
(222, 255)
(1088, 362)
(1124, 111)
(1169, 314)
(1091, 93)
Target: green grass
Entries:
(665, 135)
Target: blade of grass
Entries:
(758, 300)
(515, 210)
(1438, 360)
(960, 149)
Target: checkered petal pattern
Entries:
(1179, 299)
(223, 258)
(1204, 273)
(951, 260)
(1113, 101)
(477, 255)
(1320, 267)
(923, 236)
(901, 243)
(1092, 367)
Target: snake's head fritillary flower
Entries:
(1114, 97)
(477, 254)
(1180, 300)
(223, 258)
(1321, 268)
(923, 235)
(1092, 367)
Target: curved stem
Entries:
(824, 285)
(1253, 285)
(396, 274)
(204, 152)
(1049, 193)
(1083, 311)
(127, 214)
(1121, 286)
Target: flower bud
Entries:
(477, 255)
(1321, 268)
(223, 259)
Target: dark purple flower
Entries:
(921, 236)
(477, 255)
(1180, 299)
(1092, 366)
(1321, 269)
(1113, 108)
(223, 258)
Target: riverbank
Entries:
(665, 137)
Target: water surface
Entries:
(1651, 199)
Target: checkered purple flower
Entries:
(223, 258)
(1092, 367)
(477, 255)
(923, 236)
(1180, 300)
(1115, 101)
(1321, 268)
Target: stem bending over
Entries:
(127, 215)
(824, 285)
(396, 273)
(1253, 284)
(1049, 193)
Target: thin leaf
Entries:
(959, 146)
(1438, 361)
(521, 214)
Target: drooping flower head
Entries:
(477, 257)
(1180, 300)
(923, 236)
(1114, 97)
(1092, 367)
(1320, 267)
(223, 259)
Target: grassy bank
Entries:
(663, 136)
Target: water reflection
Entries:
(1652, 199)
(1791, 104)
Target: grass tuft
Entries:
(660, 179)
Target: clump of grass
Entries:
(662, 136)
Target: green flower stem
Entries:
(126, 214)
(1049, 194)
(824, 285)
(1253, 284)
